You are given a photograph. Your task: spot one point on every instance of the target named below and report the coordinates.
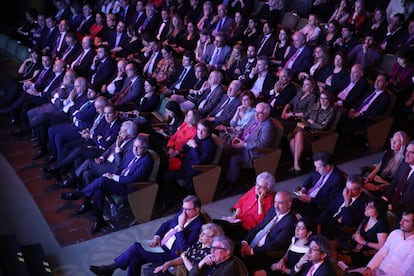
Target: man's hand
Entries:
(368, 272)
(156, 241)
(182, 219)
(246, 249)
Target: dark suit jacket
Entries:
(183, 239)
(83, 69)
(112, 39)
(406, 199)
(139, 172)
(51, 37)
(139, 19)
(135, 91)
(103, 73)
(150, 104)
(324, 269)
(331, 189)
(70, 54)
(84, 30)
(129, 17)
(108, 133)
(356, 93)
(378, 106)
(151, 26)
(224, 54)
(268, 84)
(119, 157)
(188, 81)
(267, 49)
(164, 33)
(228, 110)
(86, 115)
(279, 102)
(212, 101)
(302, 63)
(52, 85)
(278, 237)
(42, 82)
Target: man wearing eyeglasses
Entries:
(316, 261)
(173, 237)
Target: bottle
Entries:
(114, 210)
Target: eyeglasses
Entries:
(217, 248)
(187, 209)
(323, 98)
(370, 206)
(261, 187)
(315, 249)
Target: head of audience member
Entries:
(267, 28)
(141, 145)
(339, 60)
(154, 45)
(248, 100)
(381, 82)
(59, 66)
(208, 232)
(262, 112)
(121, 67)
(235, 88)
(150, 86)
(204, 129)
(251, 52)
(305, 227)
(396, 22)
(262, 65)
(411, 27)
(313, 20)
(63, 26)
(100, 18)
(140, 7)
(167, 52)
(323, 162)
(91, 94)
(347, 31)
(131, 32)
(191, 206)
(398, 143)
(299, 40)
(354, 185)
(207, 8)
(47, 60)
(70, 39)
(59, 4)
(378, 16)
(192, 117)
(128, 130)
(41, 20)
(132, 70)
(102, 52)
(110, 113)
(369, 40)
(253, 24)
(376, 208)
(123, 3)
(150, 9)
(409, 153)
(285, 77)
(221, 11)
(321, 55)
(238, 18)
(285, 34)
(404, 58)
(220, 40)
(221, 249)
(200, 71)
(191, 28)
(309, 85)
(358, 7)
(81, 85)
(69, 78)
(50, 22)
(177, 22)
(97, 41)
(86, 10)
(188, 59)
(236, 52)
(204, 36)
(407, 223)
(173, 110)
(265, 183)
(283, 202)
(320, 249)
(215, 78)
(121, 27)
(333, 27)
(75, 8)
(165, 14)
(193, 3)
(111, 20)
(356, 73)
(326, 99)
(99, 103)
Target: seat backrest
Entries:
(387, 63)
(392, 220)
(279, 132)
(219, 149)
(242, 267)
(301, 23)
(154, 173)
(161, 108)
(335, 121)
(290, 20)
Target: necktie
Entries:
(177, 84)
(80, 58)
(249, 131)
(167, 236)
(128, 169)
(313, 191)
(398, 192)
(292, 59)
(41, 76)
(222, 107)
(144, 25)
(123, 93)
(215, 57)
(50, 83)
(67, 52)
(60, 41)
(96, 123)
(311, 270)
(148, 66)
(261, 235)
(366, 102)
(262, 43)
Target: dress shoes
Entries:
(96, 226)
(86, 206)
(66, 183)
(40, 153)
(71, 196)
(103, 269)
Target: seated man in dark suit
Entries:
(83, 61)
(317, 261)
(345, 211)
(374, 104)
(400, 192)
(266, 42)
(103, 68)
(258, 133)
(226, 107)
(325, 183)
(282, 93)
(137, 167)
(260, 80)
(174, 236)
(185, 77)
(211, 93)
(299, 59)
(273, 233)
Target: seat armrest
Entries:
(264, 150)
(139, 185)
(203, 168)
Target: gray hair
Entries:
(131, 128)
(144, 140)
(227, 243)
(268, 178)
(215, 229)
